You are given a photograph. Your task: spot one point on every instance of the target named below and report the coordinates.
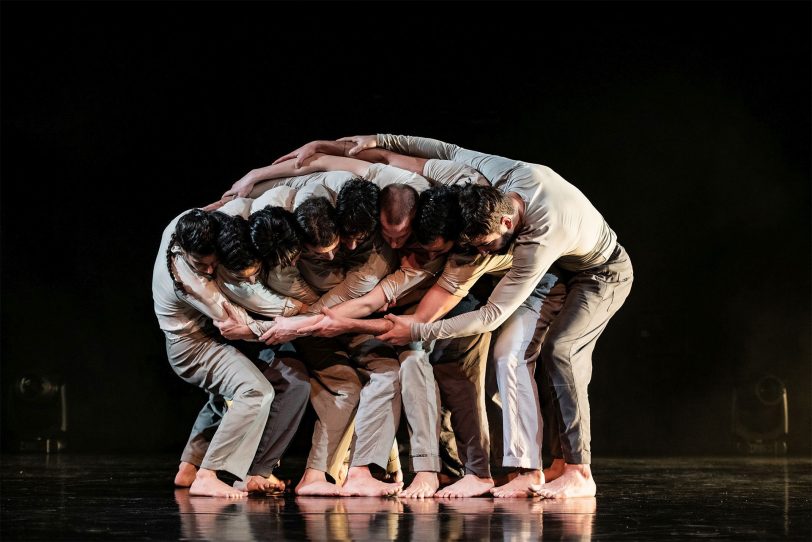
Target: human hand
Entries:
(330, 325)
(214, 206)
(231, 328)
(401, 332)
(302, 153)
(360, 143)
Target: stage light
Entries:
(760, 416)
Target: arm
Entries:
(259, 299)
(415, 164)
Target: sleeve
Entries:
(530, 263)
(383, 175)
(289, 282)
(237, 207)
(205, 296)
(259, 299)
(493, 167)
(449, 173)
(280, 196)
(404, 280)
(356, 283)
(462, 272)
(330, 179)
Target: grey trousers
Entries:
(592, 298)
(450, 371)
(352, 376)
(268, 401)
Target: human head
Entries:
(196, 234)
(273, 233)
(238, 258)
(487, 217)
(357, 211)
(397, 202)
(437, 221)
(318, 228)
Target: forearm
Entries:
(362, 306)
(378, 326)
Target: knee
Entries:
(553, 351)
(257, 395)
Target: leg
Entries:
(593, 297)
(421, 404)
(207, 422)
(460, 372)
(377, 417)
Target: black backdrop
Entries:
(687, 125)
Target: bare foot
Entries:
(554, 471)
(576, 481)
(425, 484)
(393, 477)
(186, 474)
(469, 485)
(314, 482)
(519, 486)
(207, 484)
(254, 483)
(361, 483)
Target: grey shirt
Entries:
(559, 224)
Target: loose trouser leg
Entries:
(207, 422)
(335, 391)
(222, 370)
(379, 407)
(593, 297)
(514, 356)
(459, 368)
(421, 405)
(291, 385)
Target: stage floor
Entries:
(91, 497)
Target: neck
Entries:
(518, 210)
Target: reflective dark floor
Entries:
(83, 497)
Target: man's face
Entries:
(496, 242)
(323, 253)
(395, 234)
(203, 265)
(437, 248)
(351, 242)
(250, 274)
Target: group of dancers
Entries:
(350, 273)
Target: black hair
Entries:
(273, 233)
(234, 248)
(437, 215)
(481, 208)
(316, 222)
(196, 233)
(357, 208)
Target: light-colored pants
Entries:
(353, 376)
(251, 435)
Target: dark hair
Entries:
(234, 248)
(357, 207)
(437, 215)
(274, 237)
(196, 233)
(316, 222)
(397, 202)
(482, 208)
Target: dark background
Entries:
(687, 125)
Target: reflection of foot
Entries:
(576, 481)
(519, 486)
(478, 507)
(319, 505)
(360, 483)
(207, 484)
(372, 505)
(583, 505)
(186, 474)
(315, 482)
(423, 507)
(469, 485)
(423, 485)
(554, 471)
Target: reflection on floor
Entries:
(83, 497)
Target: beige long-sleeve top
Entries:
(190, 314)
(559, 223)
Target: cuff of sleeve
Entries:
(416, 331)
(258, 327)
(293, 307)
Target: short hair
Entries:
(234, 248)
(357, 207)
(482, 208)
(316, 222)
(273, 233)
(437, 215)
(397, 202)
